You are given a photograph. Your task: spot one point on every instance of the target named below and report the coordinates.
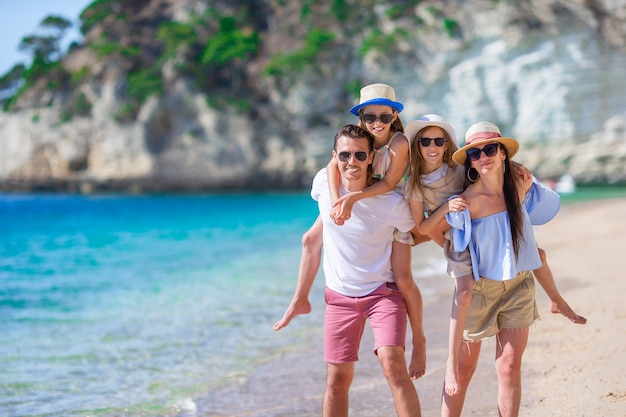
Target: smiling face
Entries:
(432, 155)
(379, 129)
(348, 153)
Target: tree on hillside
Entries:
(46, 54)
(47, 47)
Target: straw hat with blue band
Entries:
(482, 133)
(380, 94)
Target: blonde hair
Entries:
(415, 174)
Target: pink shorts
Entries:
(345, 318)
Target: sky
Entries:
(19, 18)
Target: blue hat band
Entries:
(380, 101)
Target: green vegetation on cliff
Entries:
(224, 48)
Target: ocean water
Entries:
(117, 305)
(136, 305)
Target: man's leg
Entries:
(339, 377)
(404, 394)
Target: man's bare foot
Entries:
(295, 308)
(563, 308)
(451, 383)
(417, 366)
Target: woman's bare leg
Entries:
(510, 346)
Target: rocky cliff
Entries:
(139, 109)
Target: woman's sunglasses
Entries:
(345, 156)
(385, 118)
(489, 150)
(425, 142)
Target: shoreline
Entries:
(569, 369)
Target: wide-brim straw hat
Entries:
(481, 133)
(429, 120)
(377, 94)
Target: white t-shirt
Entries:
(357, 254)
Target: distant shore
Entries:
(159, 186)
(144, 186)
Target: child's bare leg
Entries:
(458, 314)
(309, 265)
(401, 266)
(557, 303)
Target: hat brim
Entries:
(415, 126)
(511, 145)
(380, 101)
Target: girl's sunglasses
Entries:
(425, 142)
(489, 150)
(384, 118)
(345, 156)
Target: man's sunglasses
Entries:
(489, 150)
(384, 118)
(425, 142)
(345, 156)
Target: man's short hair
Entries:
(354, 132)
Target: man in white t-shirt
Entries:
(359, 280)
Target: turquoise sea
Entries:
(117, 305)
(136, 305)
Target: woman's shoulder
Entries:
(470, 191)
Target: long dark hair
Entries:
(512, 201)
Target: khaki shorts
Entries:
(501, 304)
(459, 263)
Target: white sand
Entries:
(580, 370)
(569, 370)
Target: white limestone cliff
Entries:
(549, 75)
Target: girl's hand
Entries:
(457, 204)
(334, 215)
(521, 172)
(342, 208)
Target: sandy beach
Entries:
(574, 370)
(569, 369)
